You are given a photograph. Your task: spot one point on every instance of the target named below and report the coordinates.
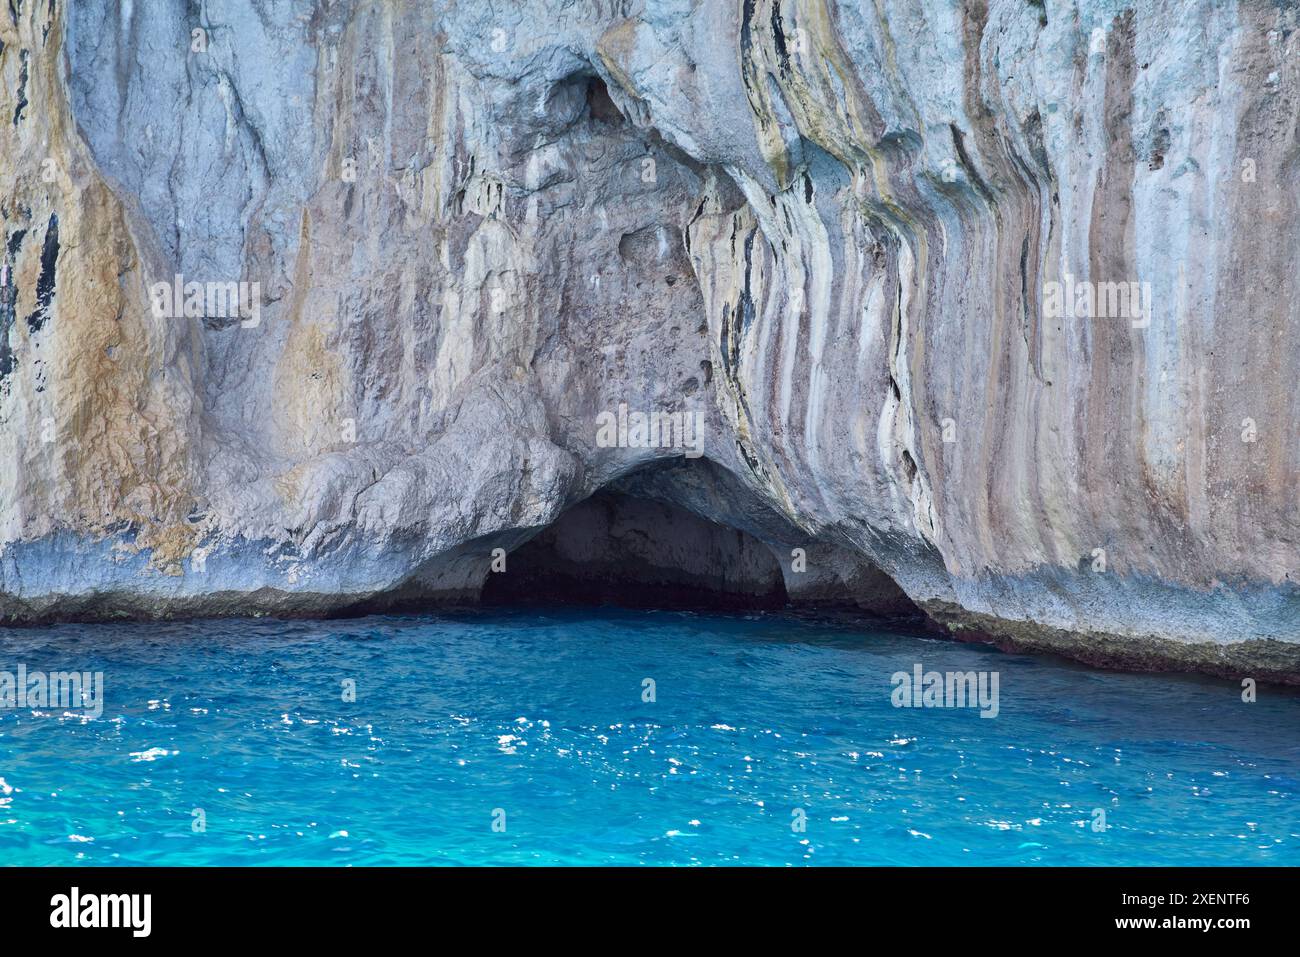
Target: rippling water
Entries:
(540, 715)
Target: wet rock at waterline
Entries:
(306, 307)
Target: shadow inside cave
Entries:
(617, 549)
(683, 534)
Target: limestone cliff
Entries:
(308, 304)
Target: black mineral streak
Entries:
(45, 282)
(22, 86)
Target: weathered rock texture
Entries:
(826, 226)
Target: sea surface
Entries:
(532, 737)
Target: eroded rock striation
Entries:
(310, 304)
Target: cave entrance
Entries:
(685, 533)
(620, 549)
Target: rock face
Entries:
(310, 304)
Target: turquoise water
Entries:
(539, 714)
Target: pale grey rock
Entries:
(828, 228)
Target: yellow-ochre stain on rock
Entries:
(310, 382)
(831, 114)
(614, 47)
(105, 390)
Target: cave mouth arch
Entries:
(685, 534)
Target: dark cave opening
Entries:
(580, 96)
(684, 534)
(600, 104)
(678, 534)
(619, 549)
